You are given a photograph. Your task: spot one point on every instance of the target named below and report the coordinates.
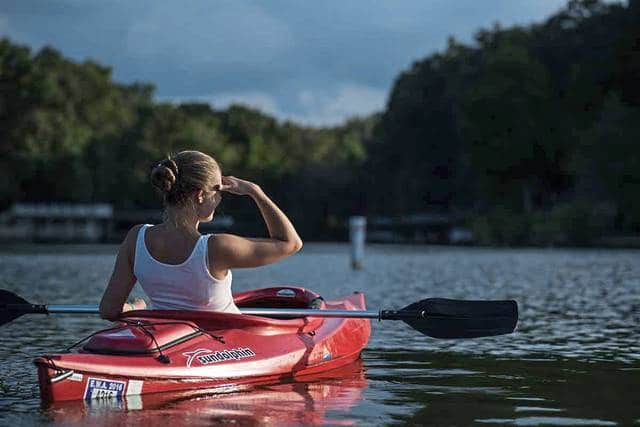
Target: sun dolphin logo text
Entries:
(206, 356)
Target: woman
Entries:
(177, 267)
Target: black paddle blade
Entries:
(9, 306)
(447, 318)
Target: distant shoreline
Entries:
(630, 243)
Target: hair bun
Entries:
(177, 177)
(164, 175)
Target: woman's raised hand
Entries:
(230, 251)
(238, 186)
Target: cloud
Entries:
(316, 62)
(313, 107)
(322, 107)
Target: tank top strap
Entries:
(204, 257)
(203, 251)
(140, 247)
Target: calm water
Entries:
(574, 360)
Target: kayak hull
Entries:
(309, 400)
(150, 352)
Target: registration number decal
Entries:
(99, 388)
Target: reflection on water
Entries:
(575, 359)
(459, 389)
(314, 400)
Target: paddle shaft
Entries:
(296, 312)
(434, 317)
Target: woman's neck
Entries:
(182, 222)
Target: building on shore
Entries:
(124, 219)
(430, 228)
(81, 223)
(56, 222)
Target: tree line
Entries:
(528, 134)
(534, 132)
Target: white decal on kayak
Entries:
(99, 388)
(134, 387)
(207, 357)
(124, 333)
(76, 377)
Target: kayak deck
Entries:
(159, 351)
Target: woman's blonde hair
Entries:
(176, 177)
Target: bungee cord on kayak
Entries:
(144, 326)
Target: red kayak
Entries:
(154, 351)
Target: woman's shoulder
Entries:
(132, 236)
(220, 240)
(212, 240)
(216, 253)
(221, 245)
(133, 231)
(128, 245)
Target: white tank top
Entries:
(185, 286)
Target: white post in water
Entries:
(357, 233)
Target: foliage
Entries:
(528, 132)
(522, 125)
(69, 133)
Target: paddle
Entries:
(435, 317)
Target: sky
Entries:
(314, 62)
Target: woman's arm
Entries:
(230, 251)
(122, 280)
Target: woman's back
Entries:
(168, 245)
(178, 280)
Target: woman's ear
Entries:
(200, 196)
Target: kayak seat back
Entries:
(279, 297)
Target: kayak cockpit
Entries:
(149, 331)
